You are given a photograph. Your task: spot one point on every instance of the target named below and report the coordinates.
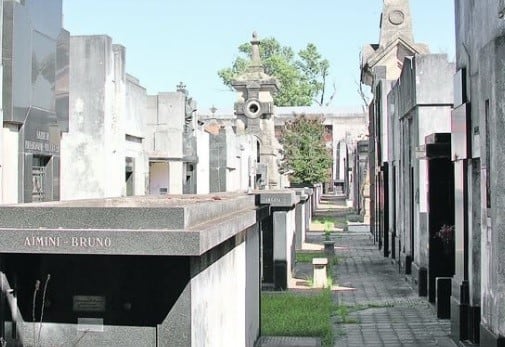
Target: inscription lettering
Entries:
(41, 146)
(76, 242)
(91, 242)
(42, 135)
(273, 199)
(42, 241)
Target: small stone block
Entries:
(320, 276)
(319, 261)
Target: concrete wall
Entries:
(84, 152)
(480, 50)
(233, 155)
(105, 123)
(133, 127)
(225, 298)
(163, 128)
(202, 167)
(421, 101)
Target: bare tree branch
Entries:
(330, 99)
(364, 97)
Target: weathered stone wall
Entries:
(225, 297)
(421, 100)
(85, 150)
(480, 50)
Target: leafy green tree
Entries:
(302, 78)
(306, 157)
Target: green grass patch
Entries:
(335, 221)
(290, 314)
(306, 257)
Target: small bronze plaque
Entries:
(89, 303)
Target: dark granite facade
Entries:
(35, 76)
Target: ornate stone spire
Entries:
(395, 22)
(255, 108)
(395, 43)
(254, 87)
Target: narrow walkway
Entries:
(383, 310)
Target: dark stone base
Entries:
(474, 324)
(329, 248)
(414, 278)
(443, 300)
(459, 320)
(280, 275)
(393, 244)
(420, 279)
(489, 339)
(408, 265)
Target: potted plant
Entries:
(446, 237)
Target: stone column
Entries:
(300, 212)
(282, 203)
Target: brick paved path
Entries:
(384, 309)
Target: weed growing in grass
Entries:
(290, 314)
(328, 227)
(343, 311)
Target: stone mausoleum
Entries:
(138, 271)
(34, 73)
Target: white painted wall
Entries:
(105, 105)
(175, 177)
(93, 151)
(163, 127)
(218, 302)
(248, 155)
(252, 288)
(136, 151)
(114, 180)
(158, 177)
(135, 109)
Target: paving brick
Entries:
(392, 314)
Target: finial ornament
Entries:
(255, 56)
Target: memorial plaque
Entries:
(281, 199)
(89, 303)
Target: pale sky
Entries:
(169, 41)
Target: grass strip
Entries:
(335, 221)
(306, 257)
(290, 314)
